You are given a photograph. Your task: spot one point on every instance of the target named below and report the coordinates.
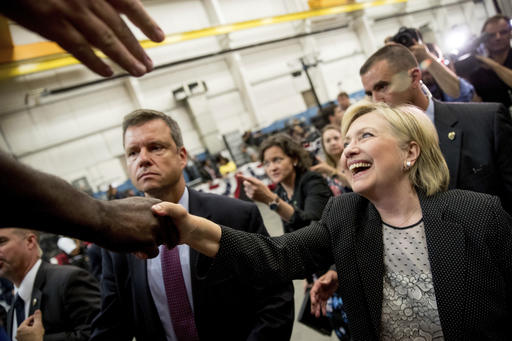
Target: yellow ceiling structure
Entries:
(31, 58)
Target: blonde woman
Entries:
(332, 146)
(413, 259)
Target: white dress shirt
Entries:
(156, 281)
(25, 292)
(430, 107)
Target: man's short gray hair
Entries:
(141, 116)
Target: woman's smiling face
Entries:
(372, 156)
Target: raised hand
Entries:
(257, 190)
(76, 25)
(322, 167)
(421, 52)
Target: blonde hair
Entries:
(408, 123)
(331, 161)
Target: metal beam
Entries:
(5, 34)
(49, 58)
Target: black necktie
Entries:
(19, 307)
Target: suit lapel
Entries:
(139, 277)
(369, 253)
(36, 301)
(197, 207)
(446, 251)
(450, 139)
(36, 289)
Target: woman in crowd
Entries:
(332, 146)
(226, 166)
(301, 195)
(413, 259)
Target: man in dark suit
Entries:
(67, 296)
(475, 138)
(137, 300)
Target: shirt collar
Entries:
(184, 199)
(27, 284)
(430, 109)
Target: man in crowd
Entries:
(441, 81)
(343, 101)
(475, 138)
(493, 79)
(339, 110)
(67, 296)
(170, 297)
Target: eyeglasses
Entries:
(277, 161)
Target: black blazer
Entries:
(69, 299)
(226, 308)
(469, 240)
(476, 141)
(309, 198)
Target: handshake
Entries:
(139, 225)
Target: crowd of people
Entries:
(408, 207)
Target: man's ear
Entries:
(31, 240)
(182, 152)
(415, 75)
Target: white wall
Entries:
(78, 133)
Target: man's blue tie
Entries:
(19, 307)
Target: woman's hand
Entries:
(323, 168)
(199, 233)
(322, 289)
(257, 190)
(181, 219)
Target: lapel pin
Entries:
(451, 135)
(34, 301)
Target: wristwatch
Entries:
(274, 204)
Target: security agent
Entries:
(475, 138)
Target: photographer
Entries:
(493, 79)
(442, 82)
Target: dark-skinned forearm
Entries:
(45, 202)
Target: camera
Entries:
(406, 36)
(465, 61)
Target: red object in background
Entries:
(239, 179)
(62, 258)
